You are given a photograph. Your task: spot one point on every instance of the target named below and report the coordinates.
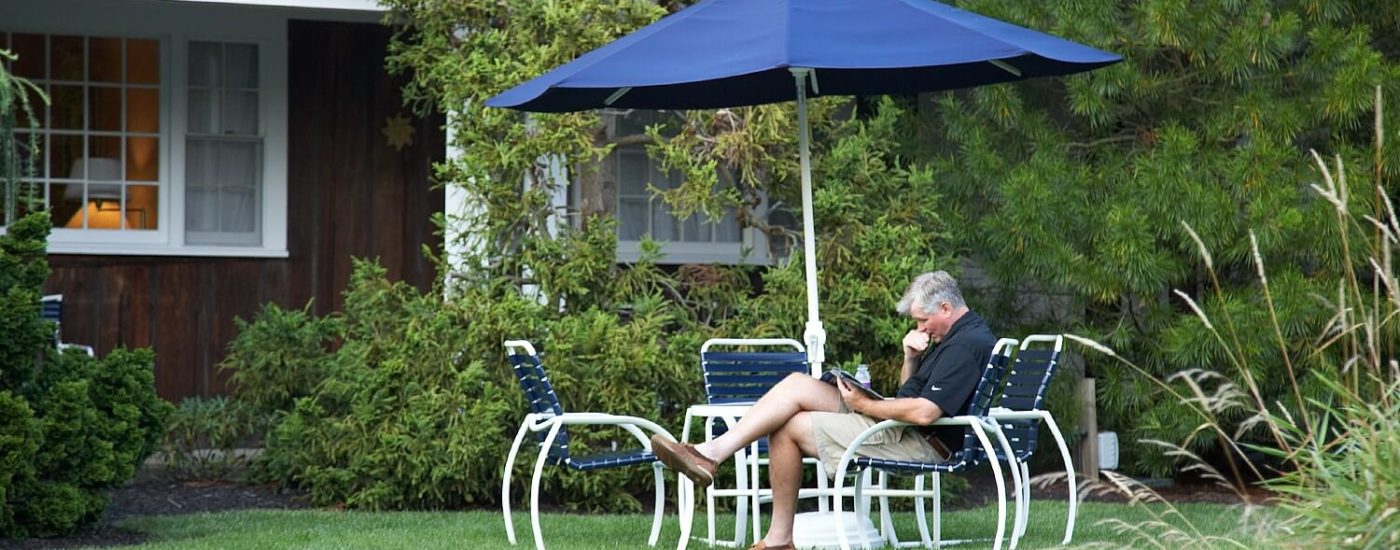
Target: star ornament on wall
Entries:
(398, 132)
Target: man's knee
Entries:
(795, 429)
(794, 379)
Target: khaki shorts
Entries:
(833, 432)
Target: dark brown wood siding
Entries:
(349, 195)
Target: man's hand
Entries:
(855, 400)
(915, 342)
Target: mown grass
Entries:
(314, 529)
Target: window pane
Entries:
(105, 109)
(104, 208)
(30, 198)
(142, 110)
(203, 112)
(142, 61)
(240, 116)
(238, 165)
(141, 206)
(66, 200)
(201, 209)
(238, 206)
(65, 157)
(37, 108)
(30, 50)
(105, 59)
(728, 230)
(104, 158)
(661, 180)
(241, 61)
(632, 172)
(205, 64)
(142, 159)
(199, 162)
(32, 152)
(663, 225)
(66, 61)
(691, 230)
(632, 219)
(67, 107)
(635, 122)
(223, 175)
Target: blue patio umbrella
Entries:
(730, 53)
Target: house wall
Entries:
(350, 194)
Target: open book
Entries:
(831, 376)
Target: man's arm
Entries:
(914, 410)
(914, 344)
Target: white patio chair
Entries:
(548, 421)
(1019, 412)
(738, 371)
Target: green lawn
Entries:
(311, 529)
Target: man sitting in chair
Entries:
(803, 416)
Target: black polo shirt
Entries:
(949, 371)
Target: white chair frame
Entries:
(998, 414)
(540, 422)
(980, 427)
(748, 491)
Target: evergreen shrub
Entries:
(74, 426)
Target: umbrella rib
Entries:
(1005, 67)
(619, 93)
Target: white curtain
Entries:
(223, 168)
(238, 185)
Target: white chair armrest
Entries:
(630, 423)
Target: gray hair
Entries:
(929, 290)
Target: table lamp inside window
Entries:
(103, 205)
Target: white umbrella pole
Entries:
(815, 335)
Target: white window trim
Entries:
(265, 28)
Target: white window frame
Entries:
(682, 252)
(175, 26)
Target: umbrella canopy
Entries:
(730, 53)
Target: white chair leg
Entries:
(1069, 475)
(1001, 484)
(505, 477)
(709, 491)
(685, 508)
(836, 504)
(742, 502)
(937, 510)
(862, 506)
(1025, 515)
(823, 489)
(886, 524)
(535, 484)
(1016, 478)
(756, 483)
(919, 511)
(660, 504)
